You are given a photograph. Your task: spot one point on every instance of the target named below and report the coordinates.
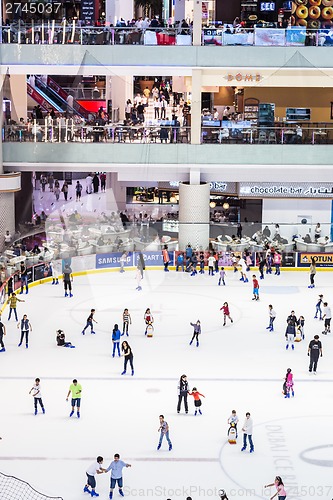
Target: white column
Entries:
(115, 9)
(180, 10)
(194, 215)
(115, 192)
(197, 21)
(121, 90)
(196, 107)
(19, 99)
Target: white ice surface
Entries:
(240, 367)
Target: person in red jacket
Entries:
(166, 258)
(197, 401)
(226, 312)
(255, 288)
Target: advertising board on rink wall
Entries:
(321, 259)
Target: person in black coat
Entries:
(183, 389)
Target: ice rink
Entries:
(240, 366)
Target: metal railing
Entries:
(68, 131)
(236, 133)
(50, 32)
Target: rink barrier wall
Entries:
(110, 262)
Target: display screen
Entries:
(267, 6)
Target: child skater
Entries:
(288, 384)
(196, 332)
(222, 276)
(300, 326)
(202, 262)
(226, 312)
(233, 421)
(272, 316)
(127, 320)
(148, 317)
(255, 287)
(197, 401)
(318, 307)
(37, 395)
(280, 491)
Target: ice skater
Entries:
(222, 277)
(94, 468)
(211, 265)
(2, 334)
(194, 264)
(127, 320)
(300, 328)
(288, 385)
(277, 263)
(318, 307)
(233, 422)
(24, 278)
(12, 301)
(280, 491)
(164, 430)
(138, 277)
(61, 340)
(272, 316)
(166, 258)
(90, 321)
(183, 389)
(242, 263)
(291, 330)
(202, 263)
(116, 468)
(122, 260)
(128, 356)
(37, 395)
(26, 327)
(312, 273)
(75, 390)
(247, 432)
(67, 279)
(234, 262)
(226, 313)
(196, 332)
(327, 316)
(314, 351)
(262, 264)
(255, 284)
(116, 340)
(55, 272)
(149, 320)
(197, 401)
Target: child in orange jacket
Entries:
(197, 401)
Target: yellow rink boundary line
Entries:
(156, 268)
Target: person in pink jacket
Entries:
(277, 262)
(280, 491)
(288, 384)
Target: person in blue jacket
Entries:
(116, 340)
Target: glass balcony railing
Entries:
(166, 132)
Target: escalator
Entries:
(51, 95)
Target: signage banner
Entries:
(269, 37)
(42, 271)
(288, 259)
(212, 37)
(152, 258)
(322, 259)
(295, 36)
(107, 260)
(237, 38)
(286, 190)
(88, 11)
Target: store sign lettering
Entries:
(320, 191)
(240, 77)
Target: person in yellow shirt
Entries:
(12, 301)
(76, 390)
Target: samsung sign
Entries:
(285, 190)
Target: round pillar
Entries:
(194, 215)
(9, 184)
